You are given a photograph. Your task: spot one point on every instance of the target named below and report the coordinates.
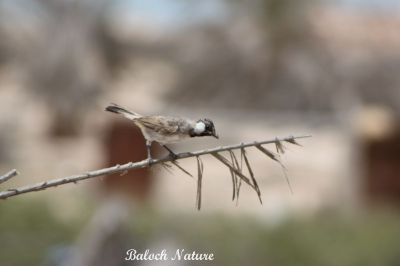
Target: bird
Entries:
(165, 129)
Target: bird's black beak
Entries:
(215, 135)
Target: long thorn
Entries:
(226, 162)
(246, 160)
(233, 175)
(199, 181)
(276, 158)
(181, 168)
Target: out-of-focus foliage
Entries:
(323, 240)
(266, 59)
(329, 240)
(61, 49)
(29, 229)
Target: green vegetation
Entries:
(326, 240)
(29, 231)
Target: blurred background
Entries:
(259, 69)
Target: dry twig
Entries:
(237, 173)
(8, 175)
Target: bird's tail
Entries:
(115, 108)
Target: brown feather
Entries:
(159, 124)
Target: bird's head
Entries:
(204, 127)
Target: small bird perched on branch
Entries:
(165, 129)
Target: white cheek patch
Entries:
(199, 128)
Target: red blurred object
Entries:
(383, 170)
(125, 143)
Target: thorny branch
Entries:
(235, 169)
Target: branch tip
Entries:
(7, 176)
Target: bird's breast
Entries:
(162, 138)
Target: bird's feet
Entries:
(150, 160)
(173, 155)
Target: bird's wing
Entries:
(160, 124)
